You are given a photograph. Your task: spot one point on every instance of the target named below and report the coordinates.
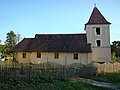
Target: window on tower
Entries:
(98, 42)
(97, 31)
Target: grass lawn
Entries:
(113, 78)
(47, 84)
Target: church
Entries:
(65, 49)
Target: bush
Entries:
(46, 83)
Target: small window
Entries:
(56, 55)
(24, 55)
(98, 31)
(75, 56)
(38, 55)
(98, 42)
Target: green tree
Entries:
(115, 48)
(9, 43)
(4, 50)
(11, 39)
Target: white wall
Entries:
(92, 37)
(64, 58)
(101, 54)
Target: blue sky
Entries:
(30, 17)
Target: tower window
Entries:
(98, 42)
(97, 31)
(24, 55)
(56, 55)
(75, 56)
(38, 55)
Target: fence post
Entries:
(64, 71)
(29, 72)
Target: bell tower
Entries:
(98, 34)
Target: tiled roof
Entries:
(97, 18)
(54, 43)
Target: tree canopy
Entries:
(9, 43)
(10, 39)
(115, 48)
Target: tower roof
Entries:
(97, 18)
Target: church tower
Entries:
(98, 35)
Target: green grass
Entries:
(113, 78)
(47, 83)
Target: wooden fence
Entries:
(55, 70)
(28, 72)
(108, 67)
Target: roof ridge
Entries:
(28, 38)
(62, 34)
(38, 35)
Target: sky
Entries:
(30, 17)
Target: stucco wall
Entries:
(101, 54)
(23, 60)
(64, 58)
(92, 37)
